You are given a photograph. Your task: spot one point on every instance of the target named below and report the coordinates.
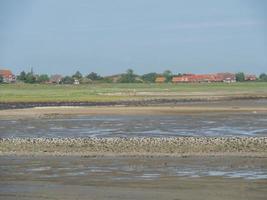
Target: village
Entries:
(6, 76)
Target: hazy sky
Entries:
(110, 36)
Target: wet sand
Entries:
(160, 110)
(201, 189)
(155, 178)
(135, 168)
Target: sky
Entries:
(111, 36)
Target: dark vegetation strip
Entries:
(21, 105)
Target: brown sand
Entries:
(174, 189)
(160, 110)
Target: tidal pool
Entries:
(240, 124)
(130, 168)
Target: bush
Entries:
(43, 78)
(129, 77)
(150, 77)
(94, 76)
(240, 77)
(263, 77)
(30, 78)
(67, 80)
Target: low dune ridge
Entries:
(135, 146)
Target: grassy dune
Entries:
(114, 92)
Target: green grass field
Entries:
(114, 92)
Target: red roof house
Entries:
(160, 79)
(199, 78)
(56, 78)
(250, 77)
(7, 75)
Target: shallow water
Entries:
(252, 124)
(130, 169)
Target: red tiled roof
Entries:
(250, 78)
(5, 73)
(160, 79)
(204, 77)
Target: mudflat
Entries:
(197, 108)
(141, 177)
(173, 168)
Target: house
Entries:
(55, 79)
(250, 77)
(7, 75)
(160, 79)
(179, 79)
(226, 77)
(202, 78)
(193, 78)
(76, 82)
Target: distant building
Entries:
(226, 77)
(202, 78)
(76, 82)
(250, 77)
(160, 79)
(55, 79)
(180, 79)
(114, 78)
(7, 75)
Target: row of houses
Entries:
(9, 77)
(208, 78)
(219, 77)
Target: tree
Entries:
(168, 75)
(22, 76)
(240, 76)
(85, 80)
(94, 76)
(1, 79)
(30, 78)
(77, 75)
(150, 77)
(43, 78)
(263, 77)
(68, 80)
(129, 77)
(106, 80)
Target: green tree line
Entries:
(128, 77)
